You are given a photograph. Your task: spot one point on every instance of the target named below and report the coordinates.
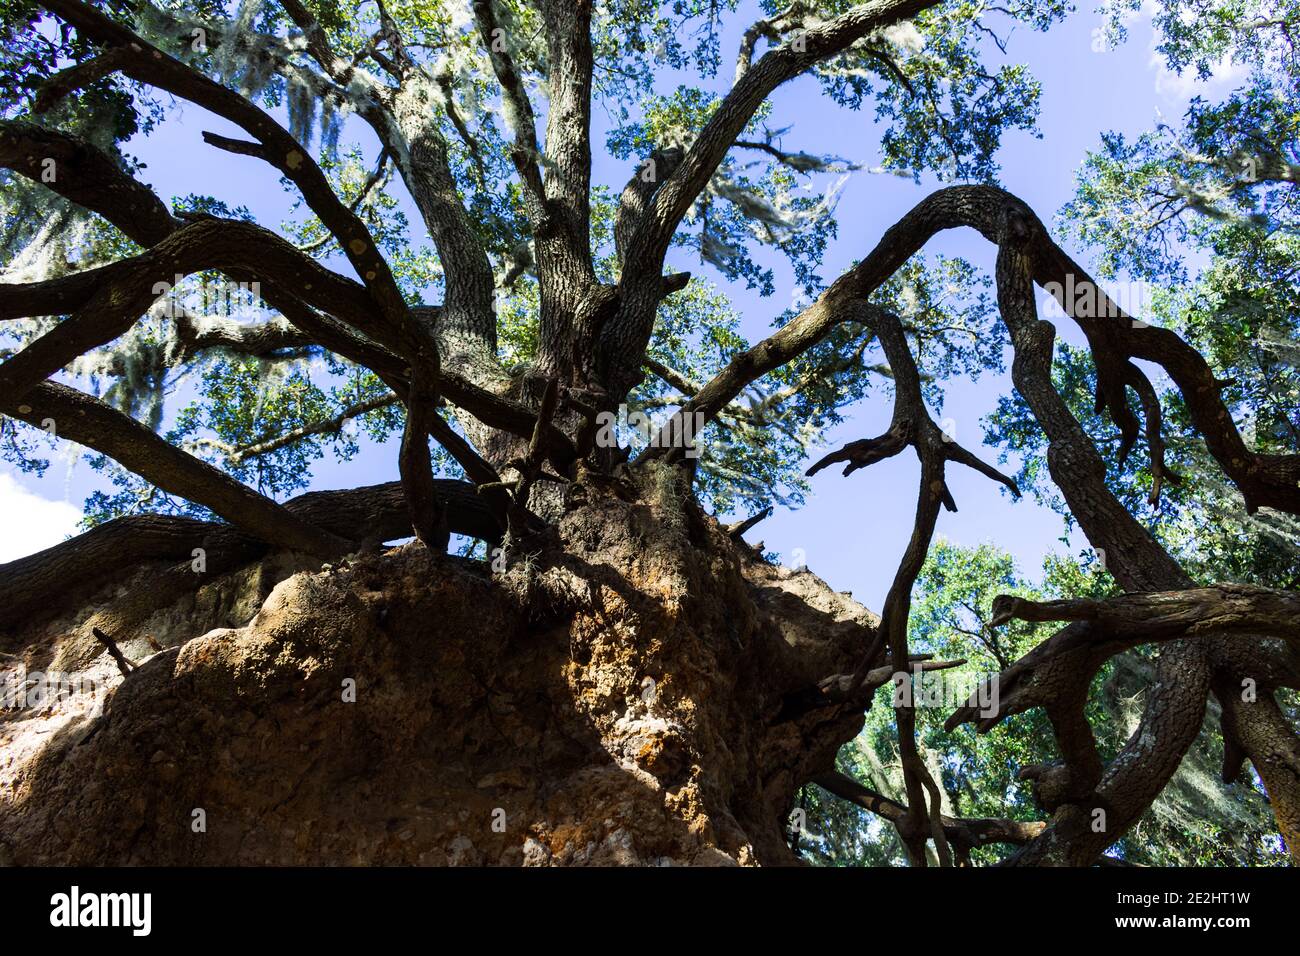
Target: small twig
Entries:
(239, 146)
(123, 664)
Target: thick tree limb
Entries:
(518, 112)
(199, 333)
(1168, 615)
(468, 329)
(87, 176)
(1272, 480)
(103, 299)
(658, 210)
(408, 129)
(92, 179)
(1176, 702)
(80, 418)
(229, 245)
(635, 198)
(568, 133)
(107, 301)
(574, 307)
(777, 66)
(76, 78)
(1263, 733)
(145, 63)
(428, 515)
(340, 70)
(41, 583)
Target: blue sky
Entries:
(852, 530)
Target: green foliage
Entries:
(748, 202)
(1196, 821)
(1207, 213)
(931, 85)
(660, 71)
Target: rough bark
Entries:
(612, 699)
(1263, 733)
(43, 584)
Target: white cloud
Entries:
(1183, 86)
(1174, 87)
(29, 523)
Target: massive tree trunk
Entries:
(618, 694)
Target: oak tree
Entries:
(622, 677)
